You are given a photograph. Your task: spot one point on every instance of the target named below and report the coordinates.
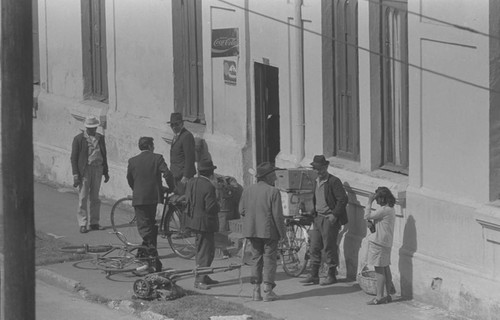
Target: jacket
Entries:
(336, 198)
(144, 173)
(182, 155)
(80, 154)
(202, 207)
(262, 212)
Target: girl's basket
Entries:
(367, 281)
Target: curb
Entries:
(126, 306)
(54, 279)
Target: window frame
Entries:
(394, 80)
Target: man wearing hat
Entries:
(144, 173)
(330, 201)
(202, 211)
(182, 153)
(263, 226)
(89, 164)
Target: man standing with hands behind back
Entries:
(182, 153)
(330, 201)
(89, 163)
(144, 173)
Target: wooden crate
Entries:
(295, 179)
(295, 203)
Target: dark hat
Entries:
(175, 117)
(264, 169)
(204, 165)
(319, 161)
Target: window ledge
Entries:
(90, 107)
(488, 216)
(360, 183)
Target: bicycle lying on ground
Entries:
(293, 250)
(110, 259)
(169, 219)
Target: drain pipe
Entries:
(297, 87)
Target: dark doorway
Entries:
(267, 113)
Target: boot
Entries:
(313, 277)
(256, 296)
(269, 294)
(331, 278)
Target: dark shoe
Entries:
(310, 280)
(330, 279)
(158, 265)
(376, 301)
(256, 295)
(96, 227)
(210, 281)
(392, 290)
(83, 229)
(269, 294)
(388, 299)
(201, 286)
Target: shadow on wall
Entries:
(406, 253)
(353, 232)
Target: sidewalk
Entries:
(55, 214)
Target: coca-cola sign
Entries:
(225, 42)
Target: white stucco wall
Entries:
(449, 128)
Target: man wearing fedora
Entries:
(263, 226)
(182, 153)
(144, 173)
(202, 211)
(89, 163)
(330, 201)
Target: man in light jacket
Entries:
(263, 226)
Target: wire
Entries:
(368, 50)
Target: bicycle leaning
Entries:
(170, 225)
(293, 249)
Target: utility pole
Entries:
(17, 159)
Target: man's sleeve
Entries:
(211, 204)
(341, 196)
(75, 152)
(277, 211)
(130, 176)
(189, 154)
(105, 169)
(167, 174)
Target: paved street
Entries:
(54, 214)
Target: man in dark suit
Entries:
(330, 201)
(202, 218)
(89, 163)
(182, 153)
(144, 175)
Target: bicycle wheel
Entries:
(122, 264)
(82, 249)
(124, 222)
(293, 250)
(181, 240)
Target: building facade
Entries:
(400, 93)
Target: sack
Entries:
(228, 195)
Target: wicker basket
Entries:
(367, 281)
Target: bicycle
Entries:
(293, 250)
(109, 258)
(170, 225)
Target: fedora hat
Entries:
(204, 165)
(175, 117)
(91, 122)
(319, 161)
(264, 169)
